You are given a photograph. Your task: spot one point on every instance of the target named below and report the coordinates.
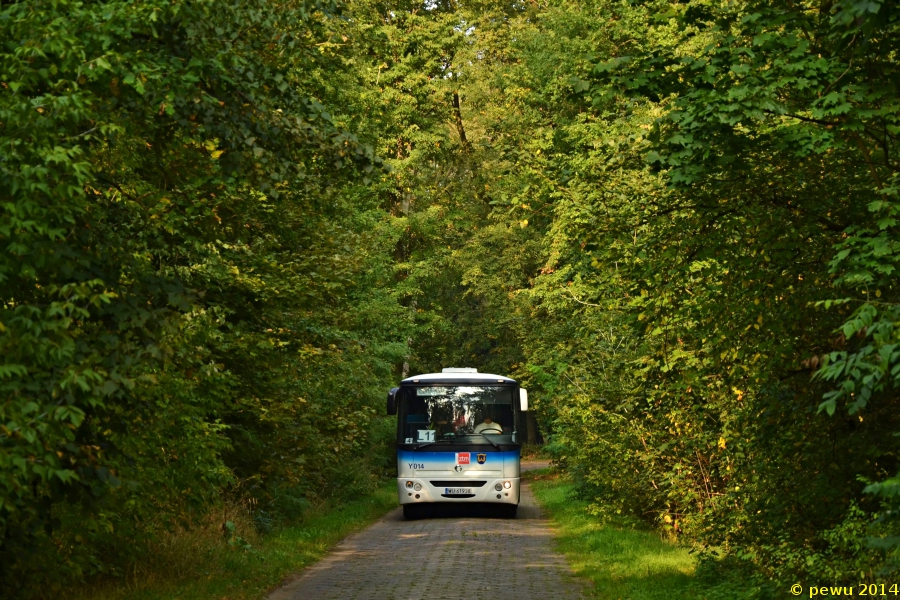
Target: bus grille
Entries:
(457, 483)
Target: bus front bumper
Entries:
(458, 490)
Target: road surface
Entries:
(451, 557)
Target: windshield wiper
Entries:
(493, 443)
(423, 445)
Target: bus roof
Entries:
(457, 376)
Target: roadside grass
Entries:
(200, 564)
(535, 452)
(624, 559)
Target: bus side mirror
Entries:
(523, 399)
(392, 401)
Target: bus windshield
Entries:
(457, 414)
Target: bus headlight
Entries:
(498, 487)
(507, 484)
(417, 487)
(409, 485)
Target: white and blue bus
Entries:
(458, 440)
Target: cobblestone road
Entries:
(457, 557)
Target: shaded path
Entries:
(443, 558)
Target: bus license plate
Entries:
(454, 491)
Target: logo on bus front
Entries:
(462, 458)
(481, 458)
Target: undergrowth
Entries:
(622, 557)
(228, 556)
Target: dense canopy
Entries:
(229, 227)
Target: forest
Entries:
(229, 227)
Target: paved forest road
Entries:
(452, 557)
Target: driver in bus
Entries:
(489, 426)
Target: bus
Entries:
(458, 440)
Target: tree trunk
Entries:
(459, 122)
(531, 423)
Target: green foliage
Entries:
(747, 133)
(200, 564)
(675, 222)
(620, 556)
(189, 276)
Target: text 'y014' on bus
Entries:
(458, 440)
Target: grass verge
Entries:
(624, 559)
(200, 565)
(535, 452)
